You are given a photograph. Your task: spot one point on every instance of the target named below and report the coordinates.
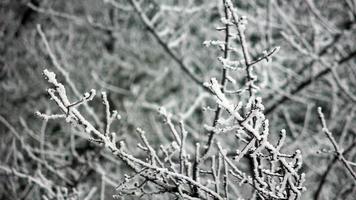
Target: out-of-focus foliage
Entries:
(107, 46)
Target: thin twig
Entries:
(165, 46)
(328, 170)
(339, 152)
(306, 82)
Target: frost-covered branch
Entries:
(153, 171)
(65, 74)
(339, 152)
(254, 124)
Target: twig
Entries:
(165, 46)
(223, 86)
(339, 152)
(328, 170)
(306, 82)
(65, 74)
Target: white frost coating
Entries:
(298, 158)
(242, 23)
(163, 111)
(215, 87)
(113, 137)
(177, 41)
(164, 32)
(259, 104)
(209, 128)
(257, 118)
(89, 129)
(47, 117)
(140, 130)
(251, 126)
(251, 129)
(265, 131)
(90, 95)
(277, 48)
(225, 21)
(51, 76)
(229, 64)
(218, 43)
(232, 80)
(268, 54)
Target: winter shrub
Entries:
(198, 100)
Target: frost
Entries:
(274, 175)
(225, 21)
(215, 87)
(242, 23)
(229, 64)
(218, 43)
(88, 129)
(90, 95)
(51, 76)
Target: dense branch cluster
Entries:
(172, 169)
(174, 120)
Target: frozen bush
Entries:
(234, 120)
